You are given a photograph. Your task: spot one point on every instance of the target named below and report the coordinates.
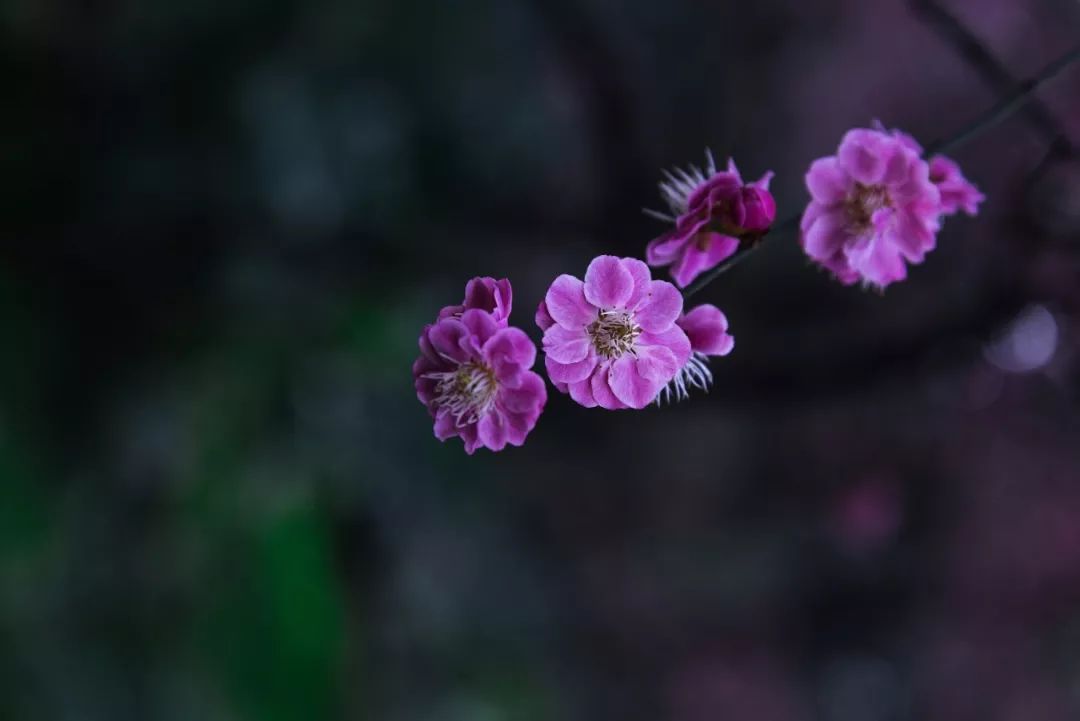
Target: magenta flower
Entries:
(872, 207)
(706, 327)
(487, 294)
(712, 212)
(612, 341)
(474, 377)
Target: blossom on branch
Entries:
(713, 212)
(612, 340)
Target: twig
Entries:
(1020, 95)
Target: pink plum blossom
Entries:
(706, 327)
(712, 212)
(612, 341)
(473, 375)
(873, 207)
(488, 294)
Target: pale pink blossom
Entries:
(612, 340)
(712, 213)
(873, 209)
(473, 375)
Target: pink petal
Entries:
(665, 249)
(603, 394)
(527, 398)
(696, 261)
(510, 345)
(518, 427)
(493, 296)
(642, 277)
(879, 263)
(570, 372)
(674, 339)
(706, 326)
(480, 324)
(564, 345)
(566, 303)
(660, 308)
(826, 236)
(445, 427)
(492, 431)
(471, 438)
(581, 392)
(827, 183)
(862, 156)
(657, 364)
(446, 338)
(607, 283)
(631, 387)
(543, 318)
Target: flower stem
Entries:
(1012, 102)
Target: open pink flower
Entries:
(707, 329)
(712, 212)
(488, 294)
(612, 341)
(474, 378)
(872, 208)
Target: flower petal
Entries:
(581, 392)
(665, 249)
(607, 283)
(543, 318)
(480, 324)
(826, 181)
(706, 326)
(529, 397)
(642, 277)
(660, 308)
(863, 155)
(445, 427)
(657, 364)
(570, 372)
(446, 338)
(491, 431)
(564, 345)
(674, 339)
(601, 390)
(826, 236)
(696, 260)
(629, 386)
(565, 301)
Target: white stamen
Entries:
(467, 392)
(680, 184)
(613, 333)
(695, 374)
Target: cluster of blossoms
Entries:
(618, 339)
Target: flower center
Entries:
(864, 201)
(613, 333)
(467, 392)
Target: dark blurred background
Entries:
(225, 221)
